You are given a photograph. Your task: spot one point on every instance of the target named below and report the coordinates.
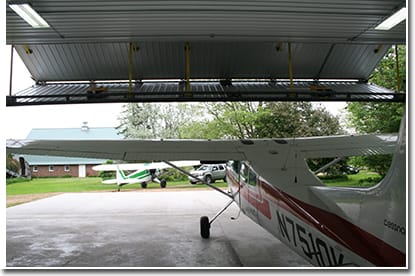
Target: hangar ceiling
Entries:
(203, 40)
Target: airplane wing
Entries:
(337, 146)
(130, 150)
(143, 166)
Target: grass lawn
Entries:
(74, 185)
(25, 191)
(363, 179)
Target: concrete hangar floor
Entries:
(138, 230)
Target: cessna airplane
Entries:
(143, 172)
(271, 183)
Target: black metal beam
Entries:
(204, 92)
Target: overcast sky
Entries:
(20, 120)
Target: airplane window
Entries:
(244, 172)
(252, 180)
(235, 165)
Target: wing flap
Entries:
(337, 146)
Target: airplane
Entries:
(271, 183)
(143, 172)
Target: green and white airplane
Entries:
(143, 172)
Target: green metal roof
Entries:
(73, 133)
(84, 133)
(56, 160)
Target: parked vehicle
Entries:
(209, 173)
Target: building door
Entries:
(82, 171)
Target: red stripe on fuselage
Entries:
(259, 203)
(338, 229)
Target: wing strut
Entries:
(331, 163)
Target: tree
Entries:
(375, 117)
(243, 120)
(11, 163)
(297, 119)
(302, 119)
(371, 117)
(259, 120)
(385, 74)
(227, 120)
(156, 120)
(237, 119)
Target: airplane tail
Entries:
(380, 212)
(391, 195)
(384, 207)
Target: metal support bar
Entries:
(11, 71)
(326, 58)
(398, 77)
(187, 50)
(201, 180)
(221, 211)
(132, 48)
(331, 163)
(130, 68)
(290, 65)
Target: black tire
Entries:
(163, 183)
(204, 227)
(209, 179)
(143, 185)
(193, 183)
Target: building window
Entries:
(35, 168)
(51, 168)
(67, 168)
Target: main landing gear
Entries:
(205, 223)
(163, 183)
(119, 187)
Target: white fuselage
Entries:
(327, 226)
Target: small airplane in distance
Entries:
(143, 172)
(270, 181)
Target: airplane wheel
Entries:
(144, 185)
(163, 183)
(204, 227)
(209, 179)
